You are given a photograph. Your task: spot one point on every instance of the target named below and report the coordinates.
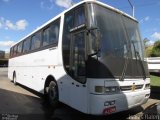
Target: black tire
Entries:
(14, 78)
(53, 94)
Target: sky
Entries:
(18, 18)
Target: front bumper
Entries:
(122, 102)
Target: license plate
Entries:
(109, 110)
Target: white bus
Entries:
(153, 64)
(89, 57)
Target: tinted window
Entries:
(19, 49)
(46, 37)
(79, 16)
(113, 43)
(68, 24)
(26, 45)
(36, 41)
(77, 59)
(134, 37)
(69, 21)
(15, 50)
(119, 41)
(51, 34)
(54, 32)
(11, 52)
(73, 44)
(72, 19)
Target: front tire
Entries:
(53, 94)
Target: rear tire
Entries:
(52, 94)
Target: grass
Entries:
(155, 80)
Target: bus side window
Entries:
(26, 45)
(11, 52)
(54, 32)
(19, 48)
(36, 41)
(46, 37)
(15, 51)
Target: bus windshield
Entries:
(120, 43)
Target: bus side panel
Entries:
(72, 92)
(32, 69)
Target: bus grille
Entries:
(128, 88)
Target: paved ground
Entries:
(18, 102)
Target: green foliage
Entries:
(156, 49)
(146, 42)
(152, 50)
(155, 80)
(148, 47)
(148, 51)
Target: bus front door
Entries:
(78, 91)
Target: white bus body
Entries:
(105, 94)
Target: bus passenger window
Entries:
(11, 52)
(36, 41)
(26, 45)
(46, 37)
(15, 50)
(54, 32)
(19, 49)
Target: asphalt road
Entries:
(20, 103)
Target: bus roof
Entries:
(84, 1)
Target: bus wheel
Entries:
(53, 94)
(14, 79)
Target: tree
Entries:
(156, 49)
(148, 47)
(146, 42)
(148, 51)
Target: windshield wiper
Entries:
(124, 69)
(140, 60)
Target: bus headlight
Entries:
(107, 90)
(99, 89)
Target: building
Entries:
(4, 58)
(2, 54)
